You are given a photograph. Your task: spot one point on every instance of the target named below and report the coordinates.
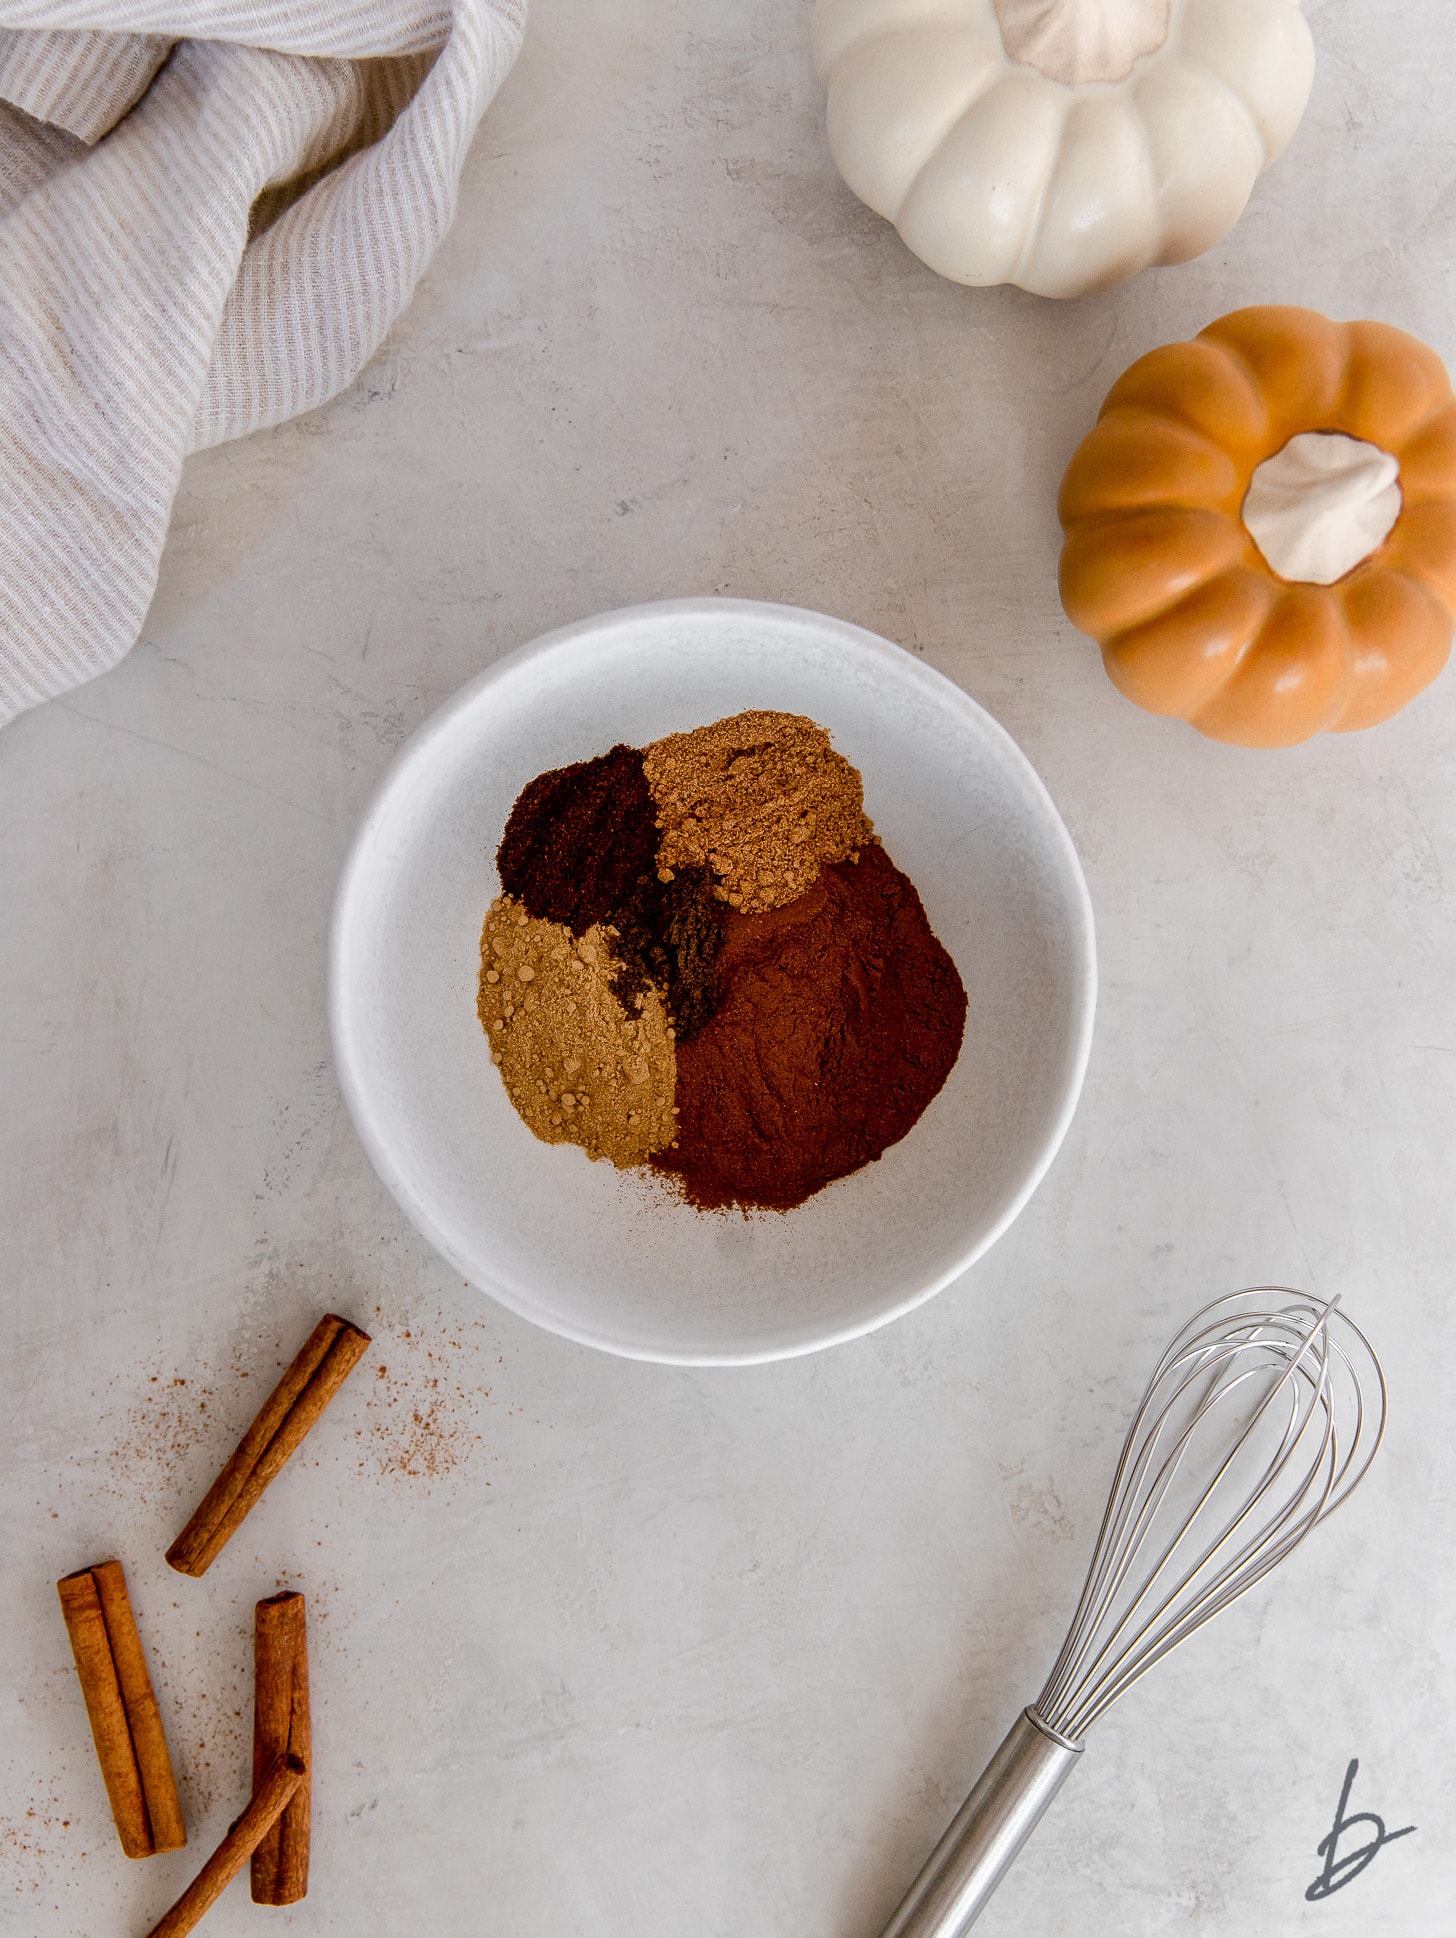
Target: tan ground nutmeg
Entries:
(578, 1066)
(762, 799)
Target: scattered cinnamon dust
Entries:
(30, 1847)
(209, 1719)
(419, 1417)
(420, 1413)
(172, 1417)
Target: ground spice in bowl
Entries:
(760, 798)
(840, 1019)
(702, 958)
(579, 1066)
(668, 935)
(580, 848)
(579, 839)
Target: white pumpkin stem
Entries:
(1077, 42)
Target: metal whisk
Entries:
(1262, 1417)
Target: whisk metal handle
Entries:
(987, 1831)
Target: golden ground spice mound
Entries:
(578, 1066)
(762, 799)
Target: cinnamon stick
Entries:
(144, 1718)
(281, 1724)
(329, 1355)
(81, 1606)
(269, 1800)
(126, 1724)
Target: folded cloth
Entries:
(211, 211)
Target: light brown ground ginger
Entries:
(760, 798)
(579, 1068)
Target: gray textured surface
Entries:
(602, 1648)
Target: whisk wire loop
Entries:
(1141, 1506)
(1289, 1442)
(1287, 1382)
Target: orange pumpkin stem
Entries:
(1158, 566)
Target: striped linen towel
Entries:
(211, 211)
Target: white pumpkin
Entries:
(1062, 145)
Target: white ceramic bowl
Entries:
(602, 1255)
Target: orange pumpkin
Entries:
(1160, 569)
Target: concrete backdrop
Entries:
(603, 1648)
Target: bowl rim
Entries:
(416, 750)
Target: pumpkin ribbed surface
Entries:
(995, 171)
(1160, 569)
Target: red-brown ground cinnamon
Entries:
(840, 1016)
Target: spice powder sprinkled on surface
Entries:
(579, 1067)
(762, 799)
